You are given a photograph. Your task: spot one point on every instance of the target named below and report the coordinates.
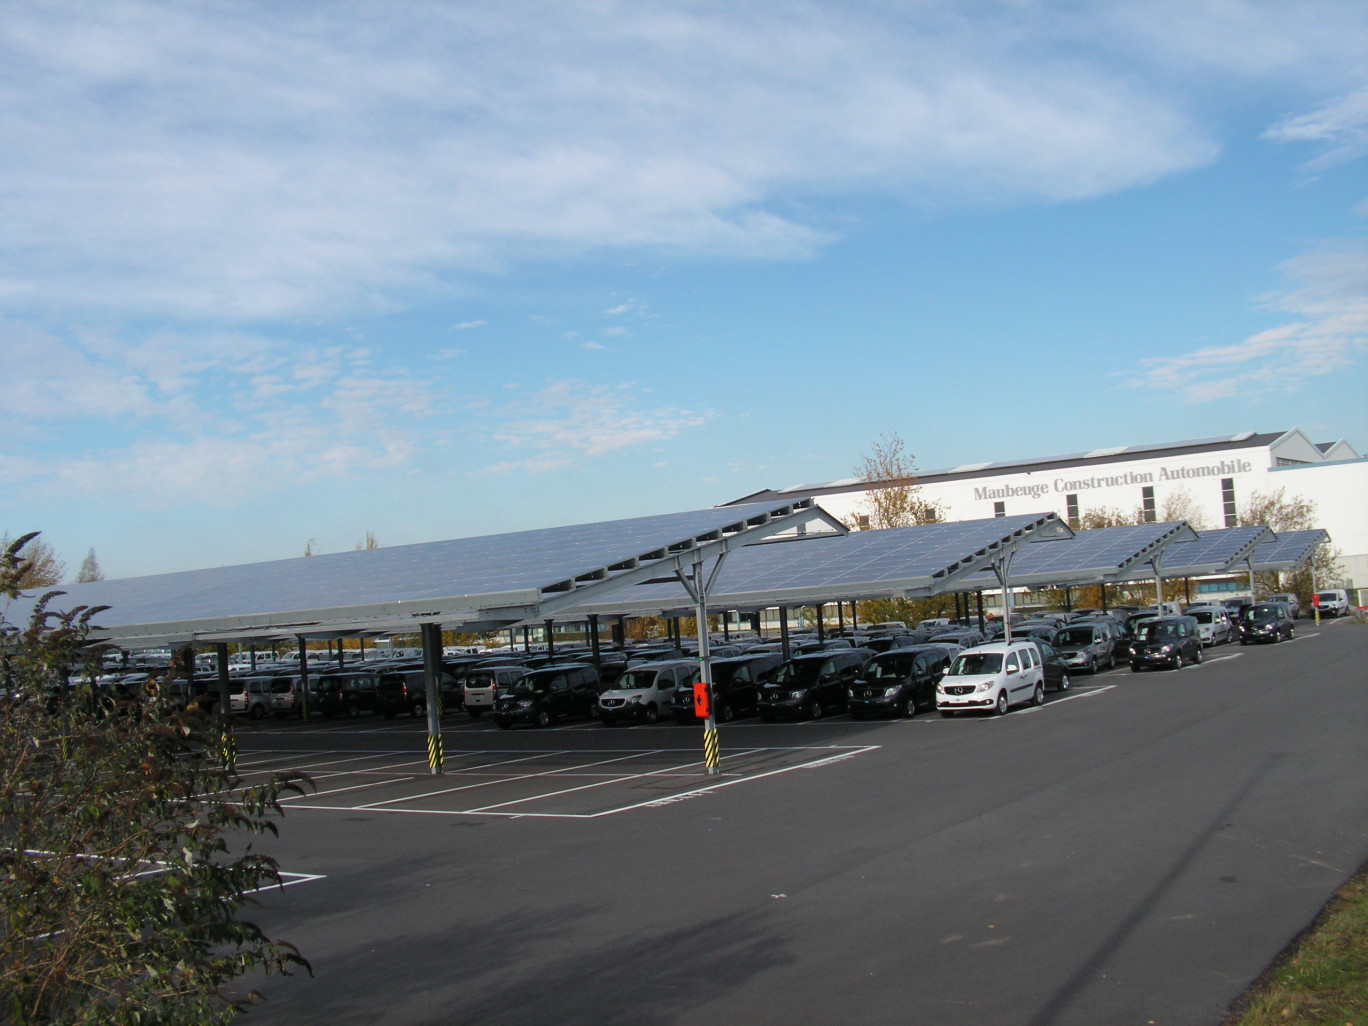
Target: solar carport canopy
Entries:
(895, 562)
(1290, 550)
(1088, 557)
(473, 583)
(1214, 552)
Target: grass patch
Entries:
(1321, 978)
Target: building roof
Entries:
(1117, 454)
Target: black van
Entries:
(1165, 641)
(736, 687)
(546, 695)
(900, 682)
(812, 684)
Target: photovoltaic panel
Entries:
(1289, 550)
(864, 564)
(1214, 552)
(470, 573)
(1090, 556)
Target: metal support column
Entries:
(432, 675)
(303, 676)
(227, 743)
(1002, 568)
(854, 616)
(698, 589)
(784, 634)
(821, 628)
(840, 618)
(593, 630)
(982, 626)
(1068, 600)
(1253, 592)
(550, 642)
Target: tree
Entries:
(120, 897)
(369, 542)
(1180, 504)
(1108, 516)
(42, 567)
(895, 500)
(90, 569)
(309, 547)
(1282, 512)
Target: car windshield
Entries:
(480, 678)
(1075, 636)
(1201, 615)
(895, 666)
(1151, 631)
(803, 671)
(529, 685)
(973, 663)
(634, 680)
(1258, 613)
(1327, 596)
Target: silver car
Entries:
(1213, 624)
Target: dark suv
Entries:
(1165, 641)
(1266, 621)
(736, 687)
(810, 685)
(544, 696)
(406, 691)
(900, 682)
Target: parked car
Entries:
(1165, 641)
(347, 693)
(736, 687)
(484, 683)
(1334, 602)
(965, 637)
(546, 695)
(1213, 623)
(811, 685)
(645, 691)
(1056, 670)
(406, 691)
(1266, 621)
(992, 678)
(251, 695)
(1086, 646)
(901, 682)
(1235, 605)
(1288, 599)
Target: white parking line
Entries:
(1061, 701)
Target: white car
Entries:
(1213, 623)
(992, 678)
(646, 690)
(483, 683)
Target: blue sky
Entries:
(272, 273)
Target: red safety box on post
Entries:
(702, 707)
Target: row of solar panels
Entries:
(630, 566)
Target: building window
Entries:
(999, 509)
(862, 522)
(1147, 504)
(1071, 510)
(1228, 501)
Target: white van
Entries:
(992, 678)
(1334, 602)
(646, 690)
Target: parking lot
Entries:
(1135, 850)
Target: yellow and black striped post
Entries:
(434, 753)
(712, 752)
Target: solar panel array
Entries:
(1214, 552)
(1102, 553)
(863, 564)
(1290, 550)
(476, 572)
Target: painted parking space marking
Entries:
(603, 792)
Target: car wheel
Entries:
(543, 717)
(256, 712)
(1178, 660)
(906, 707)
(353, 711)
(652, 713)
(815, 710)
(1111, 660)
(418, 709)
(1198, 657)
(1064, 683)
(1038, 696)
(1001, 707)
(725, 713)
(1135, 667)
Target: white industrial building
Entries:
(1215, 477)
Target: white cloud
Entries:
(595, 346)
(252, 160)
(467, 325)
(616, 331)
(1327, 293)
(621, 308)
(1341, 125)
(570, 420)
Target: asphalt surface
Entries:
(1136, 851)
